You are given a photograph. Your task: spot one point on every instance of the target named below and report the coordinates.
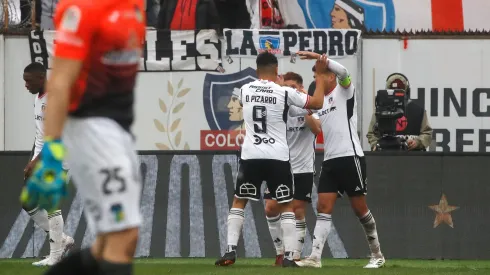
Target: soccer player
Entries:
(52, 223)
(265, 151)
(301, 134)
(90, 101)
(344, 166)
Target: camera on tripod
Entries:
(390, 106)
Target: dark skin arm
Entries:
(30, 166)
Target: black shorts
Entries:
(277, 174)
(303, 183)
(344, 174)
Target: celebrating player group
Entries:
(281, 123)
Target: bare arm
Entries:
(314, 124)
(334, 66)
(63, 76)
(316, 101)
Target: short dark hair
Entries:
(266, 59)
(312, 88)
(313, 69)
(294, 77)
(35, 67)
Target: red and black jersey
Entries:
(108, 36)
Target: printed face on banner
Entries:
(223, 110)
(347, 14)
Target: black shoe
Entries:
(289, 263)
(228, 259)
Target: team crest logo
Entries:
(330, 100)
(221, 105)
(43, 107)
(270, 44)
(223, 109)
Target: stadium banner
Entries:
(177, 110)
(249, 43)
(372, 15)
(457, 101)
(164, 50)
(431, 214)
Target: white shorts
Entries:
(104, 167)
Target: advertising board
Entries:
(435, 212)
(447, 77)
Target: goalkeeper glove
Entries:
(47, 184)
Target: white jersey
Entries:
(339, 124)
(265, 111)
(39, 108)
(301, 142)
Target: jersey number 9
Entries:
(260, 116)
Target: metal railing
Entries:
(18, 14)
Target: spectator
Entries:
(188, 15)
(12, 8)
(48, 9)
(414, 126)
(152, 9)
(233, 14)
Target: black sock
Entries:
(108, 268)
(81, 262)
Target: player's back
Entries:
(265, 107)
(107, 35)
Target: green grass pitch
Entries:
(263, 266)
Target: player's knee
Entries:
(121, 246)
(299, 213)
(299, 209)
(271, 208)
(359, 205)
(325, 207)
(239, 203)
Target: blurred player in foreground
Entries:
(344, 166)
(265, 151)
(302, 128)
(90, 100)
(52, 223)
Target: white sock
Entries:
(300, 238)
(288, 225)
(322, 228)
(55, 232)
(235, 224)
(369, 226)
(40, 217)
(276, 233)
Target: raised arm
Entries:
(334, 66)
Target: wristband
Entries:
(345, 82)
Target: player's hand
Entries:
(412, 144)
(47, 184)
(321, 64)
(30, 166)
(307, 55)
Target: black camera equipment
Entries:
(390, 106)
